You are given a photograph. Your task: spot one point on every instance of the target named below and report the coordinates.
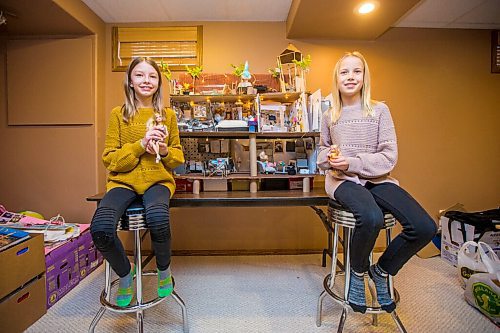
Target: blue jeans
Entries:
(103, 228)
(365, 202)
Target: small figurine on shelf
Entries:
(282, 165)
(244, 87)
(264, 165)
(157, 120)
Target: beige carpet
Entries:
(272, 294)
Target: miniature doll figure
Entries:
(156, 121)
(264, 165)
(245, 76)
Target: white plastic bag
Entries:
(482, 290)
(469, 261)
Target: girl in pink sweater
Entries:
(358, 147)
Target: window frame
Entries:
(115, 61)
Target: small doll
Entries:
(334, 152)
(157, 120)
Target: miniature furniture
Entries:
(342, 217)
(256, 103)
(134, 220)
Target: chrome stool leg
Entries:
(107, 291)
(332, 275)
(179, 301)
(394, 315)
(398, 322)
(138, 280)
(347, 274)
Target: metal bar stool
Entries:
(134, 220)
(340, 216)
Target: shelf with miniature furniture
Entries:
(243, 176)
(288, 97)
(246, 135)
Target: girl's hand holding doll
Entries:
(337, 161)
(162, 148)
(155, 133)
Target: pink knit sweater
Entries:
(368, 143)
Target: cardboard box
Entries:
(89, 258)
(455, 233)
(24, 307)
(63, 272)
(21, 263)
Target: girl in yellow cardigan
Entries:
(130, 155)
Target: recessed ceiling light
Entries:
(366, 7)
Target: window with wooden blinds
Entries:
(176, 46)
(495, 51)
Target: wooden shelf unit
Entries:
(253, 175)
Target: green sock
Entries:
(165, 283)
(126, 289)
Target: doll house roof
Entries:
(289, 54)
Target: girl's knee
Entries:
(422, 231)
(102, 240)
(427, 230)
(157, 216)
(102, 227)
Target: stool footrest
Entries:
(133, 307)
(341, 300)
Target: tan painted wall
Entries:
(52, 169)
(444, 101)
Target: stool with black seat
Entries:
(134, 220)
(340, 216)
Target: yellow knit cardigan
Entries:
(128, 163)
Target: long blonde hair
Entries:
(129, 108)
(366, 102)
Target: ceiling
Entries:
(305, 19)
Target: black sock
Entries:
(356, 296)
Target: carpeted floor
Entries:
(272, 294)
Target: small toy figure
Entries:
(157, 120)
(265, 165)
(245, 76)
(334, 152)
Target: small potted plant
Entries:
(165, 71)
(195, 73)
(186, 87)
(303, 64)
(238, 70)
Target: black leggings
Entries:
(365, 202)
(111, 208)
